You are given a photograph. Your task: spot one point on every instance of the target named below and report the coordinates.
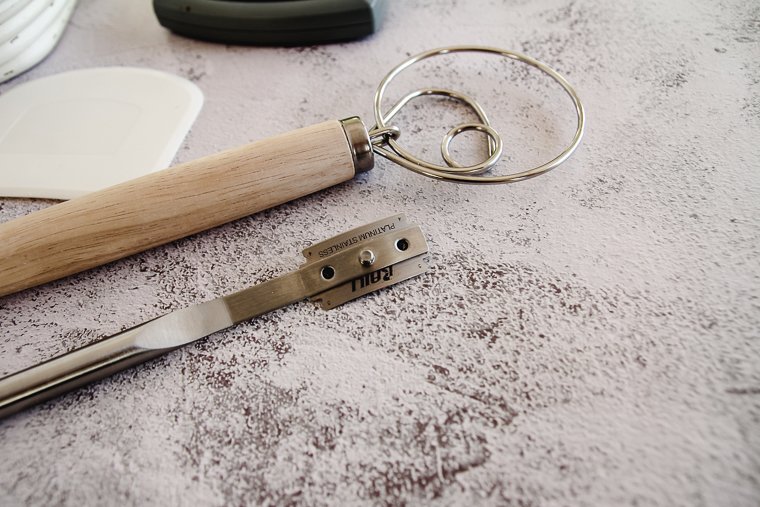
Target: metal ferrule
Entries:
(358, 140)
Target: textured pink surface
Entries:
(589, 337)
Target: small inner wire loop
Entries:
(453, 171)
(495, 146)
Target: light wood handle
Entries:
(167, 205)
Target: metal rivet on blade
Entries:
(366, 258)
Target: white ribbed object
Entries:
(29, 31)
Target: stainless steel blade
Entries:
(354, 237)
(370, 282)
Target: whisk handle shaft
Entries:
(188, 198)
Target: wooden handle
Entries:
(188, 198)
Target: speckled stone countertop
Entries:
(589, 337)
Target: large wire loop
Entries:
(383, 134)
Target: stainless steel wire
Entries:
(385, 136)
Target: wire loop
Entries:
(385, 137)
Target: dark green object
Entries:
(271, 23)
